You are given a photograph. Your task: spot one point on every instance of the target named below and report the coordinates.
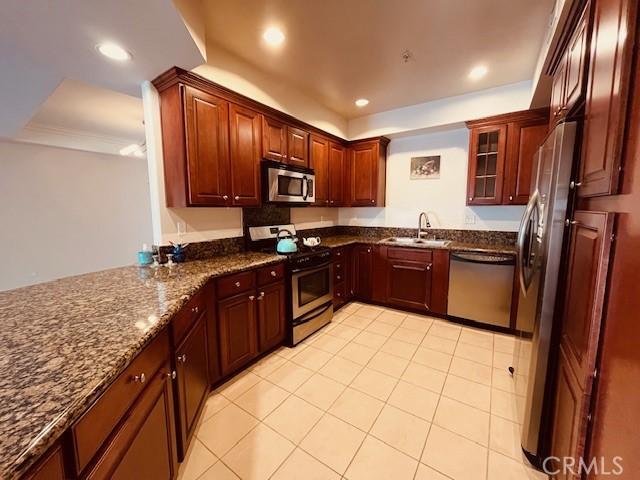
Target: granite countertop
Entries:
(343, 240)
(65, 341)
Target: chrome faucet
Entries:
(427, 224)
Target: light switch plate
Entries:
(182, 228)
(469, 218)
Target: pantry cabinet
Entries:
(501, 156)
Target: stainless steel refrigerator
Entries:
(540, 243)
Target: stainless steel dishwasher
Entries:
(481, 287)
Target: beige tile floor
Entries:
(377, 394)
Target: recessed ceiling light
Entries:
(362, 102)
(478, 72)
(113, 51)
(273, 36)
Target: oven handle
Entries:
(311, 315)
(319, 267)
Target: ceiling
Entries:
(339, 50)
(47, 49)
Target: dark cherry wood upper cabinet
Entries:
(297, 147)
(245, 133)
(143, 446)
(319, 162)
(487, 154)
(363, 271)
(192, 379)
(610, 66)
(501, 153)
(195, 139)
(238, 331)
(368, 173)
(558, 91)
(274, 139)
(524, 138)
(271, 316)
(338, 170)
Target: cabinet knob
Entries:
(182, 358)
(338, 277)
(511, 198)
(368, 250)
(429, 267)
(195, 309)
(470, 198)
(261, 296)
(172, 375)
(338, 294)
(573, 185)
(225, 197)
(140, 378)
(338, 254)
(326, 201)
(237, 197)
(252, 297)
(373, 201)
(273, 273)
(331, 201)
(238, 284)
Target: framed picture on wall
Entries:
(425, 168)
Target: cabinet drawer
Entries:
(412, 254)
(339, 253)
(95, 425)
(339, 274)
(339, 294)
(188, 314)
(236, 283)
(270, 274)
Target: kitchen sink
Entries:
(417, 241)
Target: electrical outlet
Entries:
(182, 228)
(469, 218)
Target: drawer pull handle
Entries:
(172, 375)
(140, 378)
(182, 358)
(252, 297)
(573, 185)
(273, 273)
(195, 309)
(225, 197)
(238, 284)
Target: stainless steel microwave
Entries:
(286, 184)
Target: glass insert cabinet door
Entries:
(486, 165)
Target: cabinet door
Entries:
(244, 126)
(337, 173)
(50, 467)
(364, 181)
(274, 139)
(297, 147)
(558, 91)
(524, 140)
(409, 284)
(209, 168)
(589, 249)
(486, 165)
(271, 316)
(362, 271)
(614, 29)
(319, 161)
(144, 444)
(192, 368)
(238, 331)
(576, 63)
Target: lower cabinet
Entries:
(363, 271)
(408, 278)
(143, 446)
(192, 380)
(342, 276)
(271, 315)
(49, 467)
(238, 331)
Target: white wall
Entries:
(450, 111)
(67, 212)
(443, 199)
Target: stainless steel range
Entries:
(309, 282)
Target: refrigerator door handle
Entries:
(533, 201)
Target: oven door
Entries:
(287, 186)
(311, 288)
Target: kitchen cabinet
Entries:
(338, 172)
(608, 87)
(274, 139)
(588, 260)
(363, 271)
(49, 467)
(501, 153)
(568, 79)
(297, 147)
(238, 327)
(416, 279)
(144, 444)
(368, 173)
(319, 162)
(191, 359)
(271, 316)
(342, 276)
(245, 132)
